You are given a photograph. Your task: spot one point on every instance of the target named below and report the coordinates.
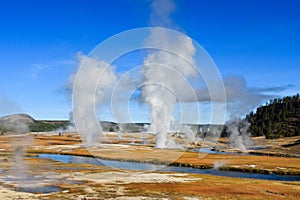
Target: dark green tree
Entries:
(280, 117)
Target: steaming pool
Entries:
(163, 168)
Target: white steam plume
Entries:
(20, 168)
(16, 123)
(93, 70)
(218, 164)
(18, 128)
(162, 11)
(239, 136)
(160, 70)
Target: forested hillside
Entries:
(278, 118)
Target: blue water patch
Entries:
(232, 174)
(162, 168)
(207, 150)
(39, 189)
(71, 159)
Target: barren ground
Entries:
(86, 181)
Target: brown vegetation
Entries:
(84, 180)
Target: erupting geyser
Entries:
(170, 78)
(165, 74)
(173, 74)
(88, 96)
(239, 137)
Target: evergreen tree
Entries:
(280, 117)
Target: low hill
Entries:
(17, 123)
(17, 118)
(23, 123)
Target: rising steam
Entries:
(165, 73)
(239, 136)
(219, 164)
(161, 14)
(160, 70)
(93, 70)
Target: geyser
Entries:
(87, 95)
(239, 136)
(165, 76)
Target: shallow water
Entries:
(162, 168)
(39, 189)
(204, 150)
(101, 162)
(233, 174)
(257, 148)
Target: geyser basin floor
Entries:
(233, 162)
(79, 181)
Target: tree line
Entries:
(280, 117)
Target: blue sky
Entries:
(258, 40)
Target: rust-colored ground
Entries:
(203, 187)
(53, 143)
(221, 188)
(260, 164)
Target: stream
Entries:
(163, 168)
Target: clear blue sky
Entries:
(257, 39)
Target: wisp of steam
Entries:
(239, 136)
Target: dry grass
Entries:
(210, 187)
(218, 189)
(71, 144)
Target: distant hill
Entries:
(17, 123)
(278, 118)
(17, 118)
(23, 123)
